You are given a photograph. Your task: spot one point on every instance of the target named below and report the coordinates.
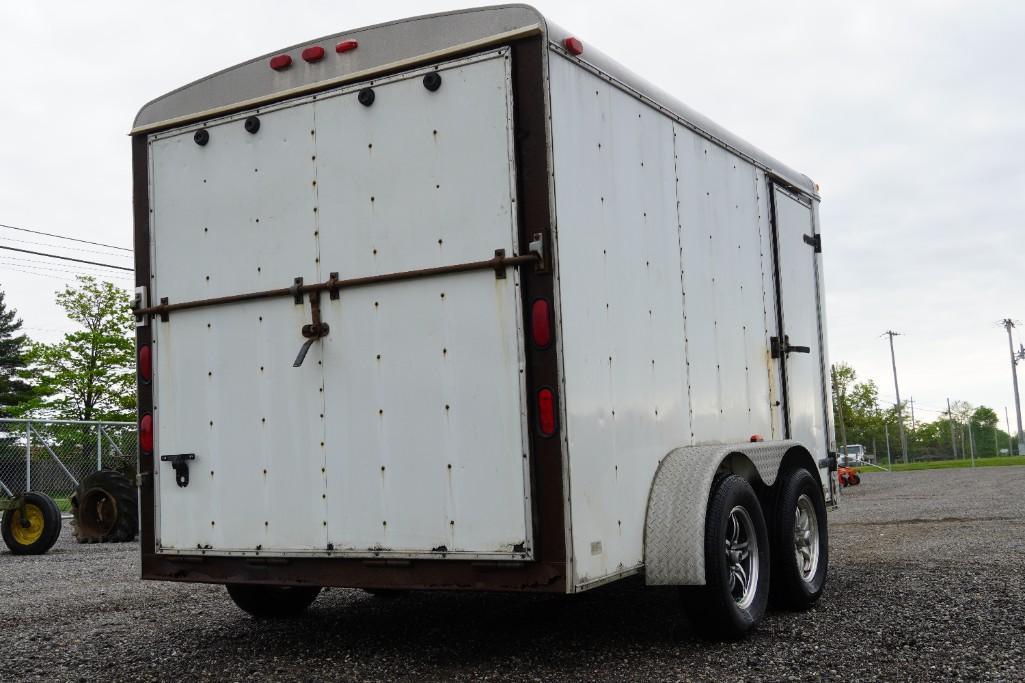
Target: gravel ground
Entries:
(927, 582)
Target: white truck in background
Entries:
(457, 302)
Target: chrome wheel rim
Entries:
(742, 556)
(806, 538)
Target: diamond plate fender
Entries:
(674, 532)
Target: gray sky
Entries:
(910, 115)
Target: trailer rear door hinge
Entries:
(814, 241)
(180, 463)
(140, 302)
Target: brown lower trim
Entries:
(542, 577)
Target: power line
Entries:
(46, 265)
(66, 258)
(63, 237)
(49, 276)
(61, 246)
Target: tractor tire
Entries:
(105, 509)
(800, 541)
(855, 480)
(272, 602)
(737, 564)
(36, 531)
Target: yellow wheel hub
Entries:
(27, 535)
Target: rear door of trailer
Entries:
(402, 434)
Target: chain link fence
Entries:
(53, 456)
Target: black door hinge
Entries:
(814, 241)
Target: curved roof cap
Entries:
(409, 41)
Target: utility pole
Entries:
(1009, 325)
(950, 423)
(838, 399)
(1007, 421)
(886, 430)
(900, 407)
(911, 404)
(971, 442)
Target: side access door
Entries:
(799, 343)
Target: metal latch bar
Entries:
(498, 263)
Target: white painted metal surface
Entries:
(403, 432)
(667, 300)
(621, 304)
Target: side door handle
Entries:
(777, 349)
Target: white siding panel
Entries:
(621, 303)
(725, 254)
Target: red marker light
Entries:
(546, 411)
(540, 323)
(313, 54)
(145, 363)
(280, 62)
(346, 46)
(755, 438)
(573, 46)
(146, 433)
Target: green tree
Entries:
(90, 374)
(14, 390)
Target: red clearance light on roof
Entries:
(145, 363)
(546, 411)
(280, 62)
(346, 46)
(540, 325)
(313, 54)
(573, 45)
(146, 433)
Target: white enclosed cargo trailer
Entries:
(457, 302)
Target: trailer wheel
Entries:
(800, 542)
(272, 602)
(736, 589)
(105, 509)
(34, 527)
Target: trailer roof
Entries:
(396, 44)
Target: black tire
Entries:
(43, 519)
(105, 509)
(272, 602)
(795, 585)
(713, 609)
(855, 480)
